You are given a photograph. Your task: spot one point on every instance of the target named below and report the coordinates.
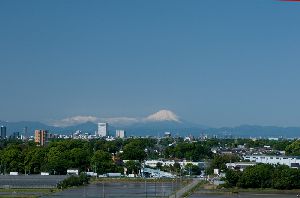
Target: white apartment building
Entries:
(103, 129)
(291, 161)
(120, 134)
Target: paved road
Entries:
(188, 187)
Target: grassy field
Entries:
(26, 193)
(212, 189)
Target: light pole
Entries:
(84, 193)
(103, 192)
(145, 187)
(155, 186)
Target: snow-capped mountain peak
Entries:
(163, 115)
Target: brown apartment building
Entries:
(41, 137)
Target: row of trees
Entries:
(105, 156)
(264, 176)
(192, 151)
(97, 155)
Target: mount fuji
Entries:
(154, 124)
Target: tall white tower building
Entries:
(120, 134)
(103, 129)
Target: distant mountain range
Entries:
(155, 125)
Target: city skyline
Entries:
(217, 64)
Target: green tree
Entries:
(259, 176)
(285, 177)
(232, 178)
(35, 160)
(134, 151)
(79, 158)
(219, 162)
(133, 167)
(192, 151)
(103, 163)
(192, 169)
(294, 148)
(57, 161)
(12, 159)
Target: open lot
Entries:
(120, 189)
(258, 194)
(30, 181)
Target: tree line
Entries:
(101, 156)
(97, 155)
(264, 176)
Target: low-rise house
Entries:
(148, 172)
(240, 165)
(183, 163)
(72, 172)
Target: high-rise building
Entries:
(103, 129)
(167, 134)
(41, 137)
(25, 132)
(15, 135)
(120, 134)
(3, 132)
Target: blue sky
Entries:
(218, 63)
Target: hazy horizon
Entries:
(129, 121)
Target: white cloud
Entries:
(162, 115)
(121, 120)
(83, 119)
(74, 120)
